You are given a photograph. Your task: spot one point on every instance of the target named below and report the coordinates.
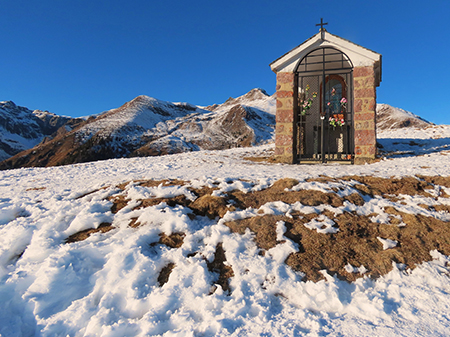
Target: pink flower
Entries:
(343, 100)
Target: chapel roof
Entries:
(360, 56)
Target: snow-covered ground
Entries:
(107, 285)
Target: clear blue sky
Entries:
(82, 57)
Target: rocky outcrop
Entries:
(22, 128)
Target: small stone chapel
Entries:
(326, 101)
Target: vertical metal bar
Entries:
(323, 107)
(347, 119)
(295, 128)
(351, 136)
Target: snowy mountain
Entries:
(257, 98)
(147, 127)
(22, 128)
(222, 243)
(389, 117)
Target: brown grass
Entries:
(35, 188)
(277, 192)
(356, 241)
(84, 234)
(262, 159)
(164, 274)
(218, 266)
(211, 206)
(382, 186)
(174, 240)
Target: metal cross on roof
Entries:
(321, 24)
(322, 30)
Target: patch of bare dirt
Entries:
(218, 266)
(264, 228)
(442, 208)
(134, 223)
(165, 182)
(439, 181)
(355, 198)
(278, 192)
(164, 274)
(91, 192)
(35, 188)
(118, 202)
(203, 205)
(383, 186)
(211, 206)
(261, 159)
(174, 240)
(355, 243)
(84, 234)
(205, 190)
(172, 202)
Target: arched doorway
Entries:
(323, 104)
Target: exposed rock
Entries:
(21, 127)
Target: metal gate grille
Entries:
(324, 107)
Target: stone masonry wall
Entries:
(284, 133)
(364, 108)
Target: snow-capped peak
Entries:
(142, 113)
(255, 98)
(389, 117)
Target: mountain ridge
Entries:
(22, 128)
(389, 117)
(146, 126)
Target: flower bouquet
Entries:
(305, 104)
(343, 104)
(337, 120)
